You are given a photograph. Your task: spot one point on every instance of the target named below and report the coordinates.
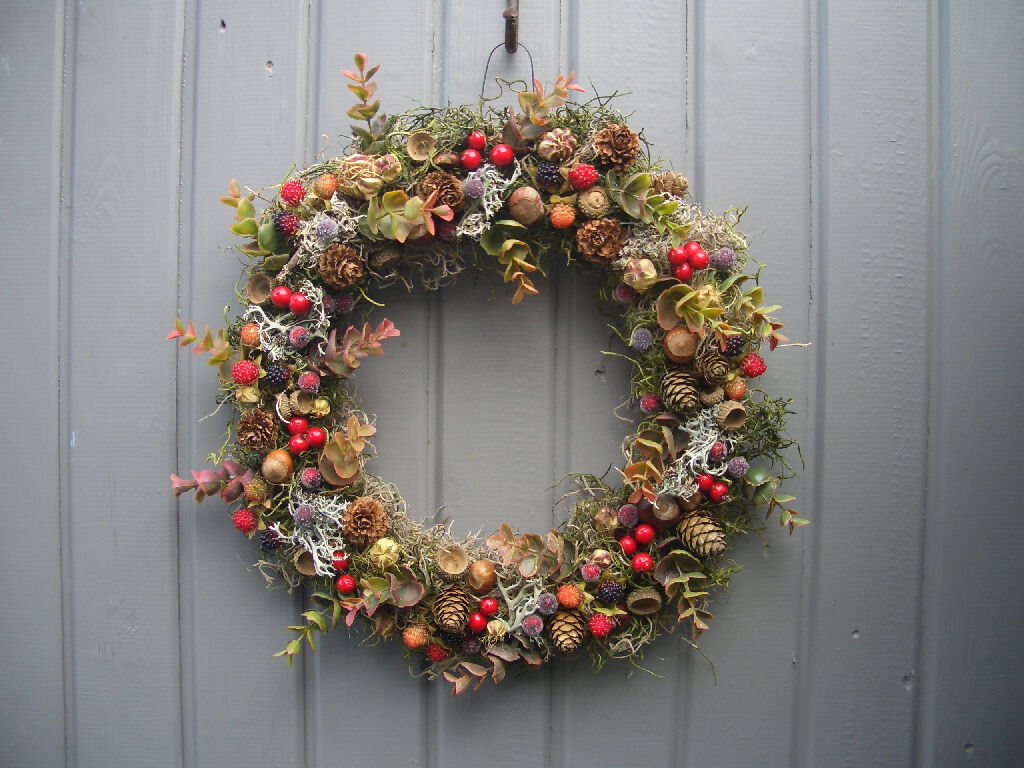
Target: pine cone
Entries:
(257, 430)
(365, 521)
(617, 147)
(600, 240)
(679, 390)
(711, 365)
(567, 630)
(702, 535)
(670, 184)
(340, 266)
(452, 608)
(448, 188)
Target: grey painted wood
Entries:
(881, 156)
(32, 676)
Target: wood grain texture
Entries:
(246, 121)
(121, 572)
(871, 144)
(970, 690)
(32, 676)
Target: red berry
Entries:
(682, 273)
(245, 520)
(299, 303)
(437, 652)
(339, 560)
(582, 176)
(280, 296)
(489, 606)
(719, 451)
(650, 404)
(752, 365)
(316, 436)
(298, 444)
(698, 259)
(477, 622)
(292, 192)
(245, 372)
(502, 155)
(297, 426)
(677, 257)
(719, 492)
(346, 584)
(692, 247)
(470, 159)
(476, 140)
(642, 562)
(644, 534)
(601, 625)
(628, 544)
(704, 482)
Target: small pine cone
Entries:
(711, 365)
(452, 608)
(593, 203)
(567, 630)
(257, 430)
(670, 184)
(702, 535)
(365, 521)
(617, 147)
(340, 266)
(679, 390)
(709, 397)
(557, 145)
(448, 188)
(600, 240)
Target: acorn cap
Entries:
(644, 601)
(301, 402)
(731, 415)
(303, 561)
(709, 397)
(419, 146)
(451, 562)
(258, 287)
(680, 345)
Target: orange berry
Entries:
(570, 596)
(251, 335)
(415, 636)
(325, 186)
(563, 216)
(736, 388)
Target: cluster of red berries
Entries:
(476, 142)
(304, 436)
(643, 534)
(295, 302)
(345, 583)
(715, 490)
(687, 260)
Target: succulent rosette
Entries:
(417, 199)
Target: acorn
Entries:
(258, 287)
(644, 601)
(526, 206)
(665, 513)
(278, 466)
(304, 563)
(447, 161)
(482, 577)
(731, 415)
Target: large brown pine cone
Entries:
(365, 521)
(679, 390)
(448, 188)
(600, 240)
(340, 266)
(702, 535)
(257, 430)
(452, 608)
(617, 147)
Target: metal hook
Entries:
(483, 83)
(511, 16)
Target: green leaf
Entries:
(246, 210)
(275, 262)
(317, 618)
(246, 228)
(637, 184)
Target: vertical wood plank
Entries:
(648, 64)
(396, 387)
(497, 373)
(31, 677)
(871, 158)
(246, 119)
(970, 690)
(753, 125)
(122, 567)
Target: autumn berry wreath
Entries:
(419, 198)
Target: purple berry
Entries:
(628, 515)
(719, 451)
(738, 467)
(641, 340)
(298, 336)
(547, 604)
(723, 259)
(533, 624)
(472, 646)
(303, 515)
(473, 186)
(326, 229)
(344, 302)
(310, 479)
(624, 294)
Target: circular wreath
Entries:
(419, 198)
